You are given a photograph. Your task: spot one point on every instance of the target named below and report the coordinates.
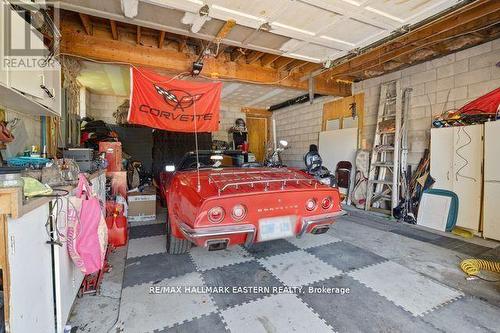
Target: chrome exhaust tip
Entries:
(320, 229)
(217, 244)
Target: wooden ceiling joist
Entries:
(161, 39)
(100, 46)
(86, 23)
(282, 62)
(138, 35)
(114, 29)
(268, 59)
(254, 56)
(471, 17)
(237, 54)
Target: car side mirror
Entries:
(169, 168)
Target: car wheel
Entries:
(176, 245)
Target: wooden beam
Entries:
(161, 38)
(268, 59)
(114, 29)
(282, 62)
(311, 67)
(225, 30)
(296, 65)
(100, 47)
(138, 35)
(254, 56)
(237, 54)
(444, 27)
(254, 112)
(86, 23)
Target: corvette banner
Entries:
(173, 105)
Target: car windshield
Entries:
(206, 160)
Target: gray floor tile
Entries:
(147, 230)
(274, 314)
(271, 248)
(156, 267)
(466, 315)
(240, 275)
(404, 287)
(345, 256)
(361, 310)
(212, 323)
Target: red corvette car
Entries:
(219, 206)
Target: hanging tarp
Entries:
(486, 104)
(173, 105)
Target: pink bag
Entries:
(87, 234)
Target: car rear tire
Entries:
(176, 245)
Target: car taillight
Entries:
(216, 214)
(311, 204)
(239, 212)
(327, 203)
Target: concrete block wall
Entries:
(300, 126)
(228, 114)
(442, 84)
(102, 107)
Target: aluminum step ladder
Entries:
(384, 175)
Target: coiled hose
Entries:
(472, 267)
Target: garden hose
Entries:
(472, 267)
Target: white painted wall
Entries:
(438, 85)
(300, 125)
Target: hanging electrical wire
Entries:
(458, 172)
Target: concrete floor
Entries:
(400, 278)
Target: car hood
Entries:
(244, 181)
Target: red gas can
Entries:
(117, 229)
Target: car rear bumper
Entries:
(201, 236)
(246, 232)
(320, 221)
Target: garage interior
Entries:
(389, 107)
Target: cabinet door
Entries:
(491, 220)
(25, 81)
(491, 197)
(442, 158)
(67, 276)
(467, 174)
(3, 73)
(31, 283)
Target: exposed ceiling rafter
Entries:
(114, 29)
(86, 23)
(100, 46)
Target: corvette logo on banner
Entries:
(173, 105)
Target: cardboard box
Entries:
(142, 205)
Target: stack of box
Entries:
(142, 205)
